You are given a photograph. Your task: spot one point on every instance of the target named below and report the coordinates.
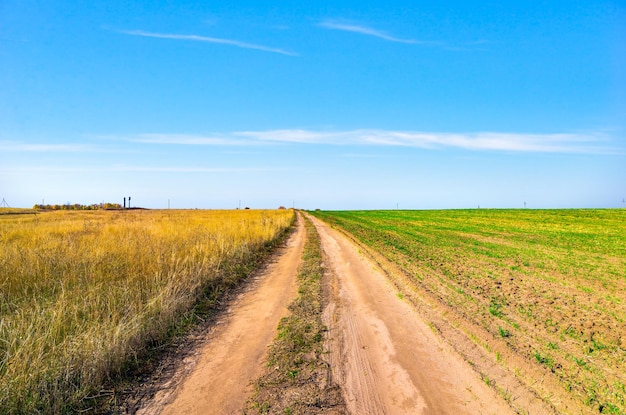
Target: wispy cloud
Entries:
(133, 169)
(179, 169)
(365, 156)
(475, 45)
(18, 146)
(364, 30)
(593, 143)
(232, 139)
(197, 38)
(487, 141)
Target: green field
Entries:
(550, 284)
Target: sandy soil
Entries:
(382, 353)
(386, 358)
(218, 377)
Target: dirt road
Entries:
(235, 350)
(382, 354)
(386, 358)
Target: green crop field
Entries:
(550, 284)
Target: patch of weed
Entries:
(495, 308)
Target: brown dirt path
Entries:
(386, 358)
(235, 350)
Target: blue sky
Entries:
(331, 105)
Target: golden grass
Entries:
(82, 293)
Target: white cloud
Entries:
(18, 146)
(179, 169)
(493, 141)
(197, 38)
(592, 143)
(364, 30)
(365, 156)
(476, 45)
(190, 139)
(132, 169)
(596, 143)
(297, 136)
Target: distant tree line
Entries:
(78, 206)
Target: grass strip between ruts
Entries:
(297, 379)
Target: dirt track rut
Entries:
(235, 350)
(386, 358)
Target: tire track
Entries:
(217, 379)
(386, 358)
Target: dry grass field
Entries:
(549, 285)
(82, 294)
